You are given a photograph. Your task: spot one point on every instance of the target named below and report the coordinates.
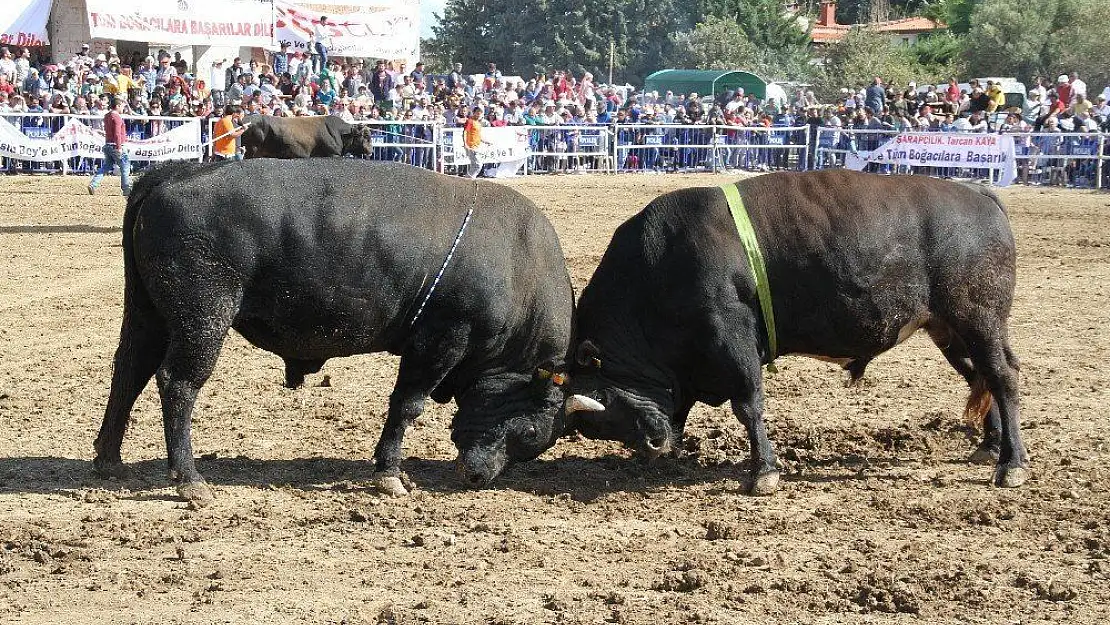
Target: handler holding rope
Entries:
(227, 130)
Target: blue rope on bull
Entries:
(447, 260)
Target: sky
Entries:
(428, 9)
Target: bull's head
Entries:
(358, 142)
(508, 418)
(599, 407)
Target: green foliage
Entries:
(533, 37)
(939, 53)
(714, 44)
(780, 43)
(720, 43)
(862, 55)
(1031, 37)
(955, 13)
(765, 22)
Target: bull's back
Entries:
(857, 261)
(853, 260)
(330, 256)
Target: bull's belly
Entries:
(866, 346)
(306, 328)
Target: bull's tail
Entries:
(142, 341)
(978, 403)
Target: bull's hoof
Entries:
(765, 484)
(1010, 477)
(985, 454)
(200, 494)
(391, 484)
(110, 469)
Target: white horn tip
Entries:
(583, 403)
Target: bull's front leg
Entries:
(748, 408)
(404, 407)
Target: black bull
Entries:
(855, 262)
(302, 137)
(319, 258)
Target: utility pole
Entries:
(612, 53)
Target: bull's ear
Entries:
(588, 354)
(548, 371)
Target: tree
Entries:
(1024, 37)
(863, 54)
(767, 24)
(781, 42)
(715, 44)
(955, 13)
(534, 37)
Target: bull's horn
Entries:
(583, 403)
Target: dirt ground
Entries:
(879, 519)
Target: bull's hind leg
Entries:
(992, 358)
(194, 346)
(980, 404)
(142, 346)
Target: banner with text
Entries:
(507, 146)
(391, 33)
(245, 23)
(941, 149)
(23, 22)
(75, 139)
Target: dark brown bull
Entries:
(856, 264)
(302, 137)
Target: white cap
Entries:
(1062, 78)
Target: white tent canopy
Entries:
(23, 22)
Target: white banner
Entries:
(506, 145)
(942, 149)
(23, 22)
(75, 139)
(245, 23)
(391, 33)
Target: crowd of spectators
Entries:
(287, 84)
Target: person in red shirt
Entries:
(115, 135)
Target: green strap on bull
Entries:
(759, 269)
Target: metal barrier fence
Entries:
(643, 148)
(1071, 159)
(1043, 158)
(711, 148)
(44, 125)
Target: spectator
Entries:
(876, 96)
(22, 66)
(472, 140)
(226, 132)
(115, 136)
(7, 65)
(418, 73)
(380, 81)
(217, 77)
(280, 60)
(1063, 94)
(322, 37)
(455, 78)
(1078, 87)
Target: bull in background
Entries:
(856, 263)
(351, 257)
(302, 137)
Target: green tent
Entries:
(705, 82)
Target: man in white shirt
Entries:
(217, 76)
(7, 66)
(1078, 87)
(322, 35)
